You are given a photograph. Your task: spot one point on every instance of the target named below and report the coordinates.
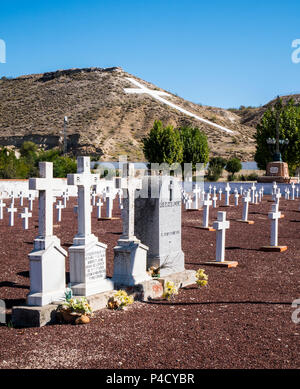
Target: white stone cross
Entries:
(277, 197)
(12, 197)
(84, 180)
(109, 197)
(30, 201)
(94, 195)
(297, 192)
(59, 206)
(2, 205)
(196, 192)
(99, 205)
(188, 202)
(206, 204)
(220, 194)
(260, 193)
(157, 95)
(45, 185)
(221, 225)
(293, 191)
(209, 189)
(236, 197)
(11, 210)
(256, 197)
(25, 216)
(227, 196)
(253, 188)
(21, 196)
(274, 215)
(246, 200)
(287, 193)
(241, 190)
(274, 187)
(129, 184)
(65, 197)
(214, 200)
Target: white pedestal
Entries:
(88, 268)
(130, 263)
(47, 273)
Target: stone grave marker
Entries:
(11, 210)
(59, 206)
(130, 254)
(274, 216)
(160, 204)
(87, 254)
(246, 201)
(25, 216)
(47, 259)
(221, 225)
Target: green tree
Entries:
(289, 128)
(215, 168)
(233, 166)
(163, 144)
(195, 145)
(10, 166)
(61, 165)
(29, 155)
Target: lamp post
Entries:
(277, 142)
(65, 134)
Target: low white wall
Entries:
(17, 186)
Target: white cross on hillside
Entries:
(157, 95)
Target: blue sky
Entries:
(221, 53)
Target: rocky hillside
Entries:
(103, 119)
(251, 116)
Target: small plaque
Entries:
(273, 169)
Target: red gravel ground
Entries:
(241, 320)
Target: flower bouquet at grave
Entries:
(74, 310)
(119, 300)
(155, 271)
(170, 290)
(201, 278)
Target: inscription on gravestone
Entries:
(95, 265)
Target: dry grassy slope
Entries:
(252, 116)
(103, 119)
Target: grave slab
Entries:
(228, 264)
(275, 249)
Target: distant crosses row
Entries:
(193, 200)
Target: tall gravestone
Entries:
(87, 254)
(158, 223)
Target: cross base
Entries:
(228, 264)
(90, 288)
(193, 210)
(206, 228)
(41, 299)
(108, 218)
(275, 249)
(245, 221)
